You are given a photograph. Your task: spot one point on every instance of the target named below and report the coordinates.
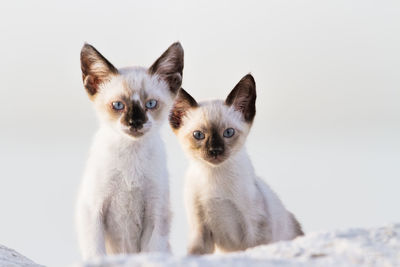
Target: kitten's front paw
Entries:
(158, 244)
(196, 249)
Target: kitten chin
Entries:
(137, 134)
(229, 207)
(214, 161)
(123, 202)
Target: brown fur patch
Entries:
(243, 97)
(169, 66)
(183, 102)
(214, 144)
(134, 116)
(96, 69)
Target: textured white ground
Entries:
(352, 247)
(11, 258)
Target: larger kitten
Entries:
(123, 203)
(228, 206)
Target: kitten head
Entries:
(214, 131)
(135, 100)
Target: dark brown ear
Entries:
(170, 67)
(96, 69)
(243, 97)
(183, 102)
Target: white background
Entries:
(327, 130)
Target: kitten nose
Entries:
(137, 124)
(216, 151)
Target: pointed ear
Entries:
(243, 97)
(170, 67)
(183, 102)
(96, 69)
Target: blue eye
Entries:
(198, 135)
(118, 105)
(228, 133)
(152, 103)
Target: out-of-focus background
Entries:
(326, 135)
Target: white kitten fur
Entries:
(123, 202)
(229, 208)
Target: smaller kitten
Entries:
(228, 206)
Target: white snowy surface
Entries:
(352, 247)
(11, 258)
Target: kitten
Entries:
(123, 203)
(229, 208)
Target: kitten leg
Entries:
(202, 241)
(156, 229)
(91, 233)
(158, 241)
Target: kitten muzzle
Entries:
(215, 152)
(136, 124)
